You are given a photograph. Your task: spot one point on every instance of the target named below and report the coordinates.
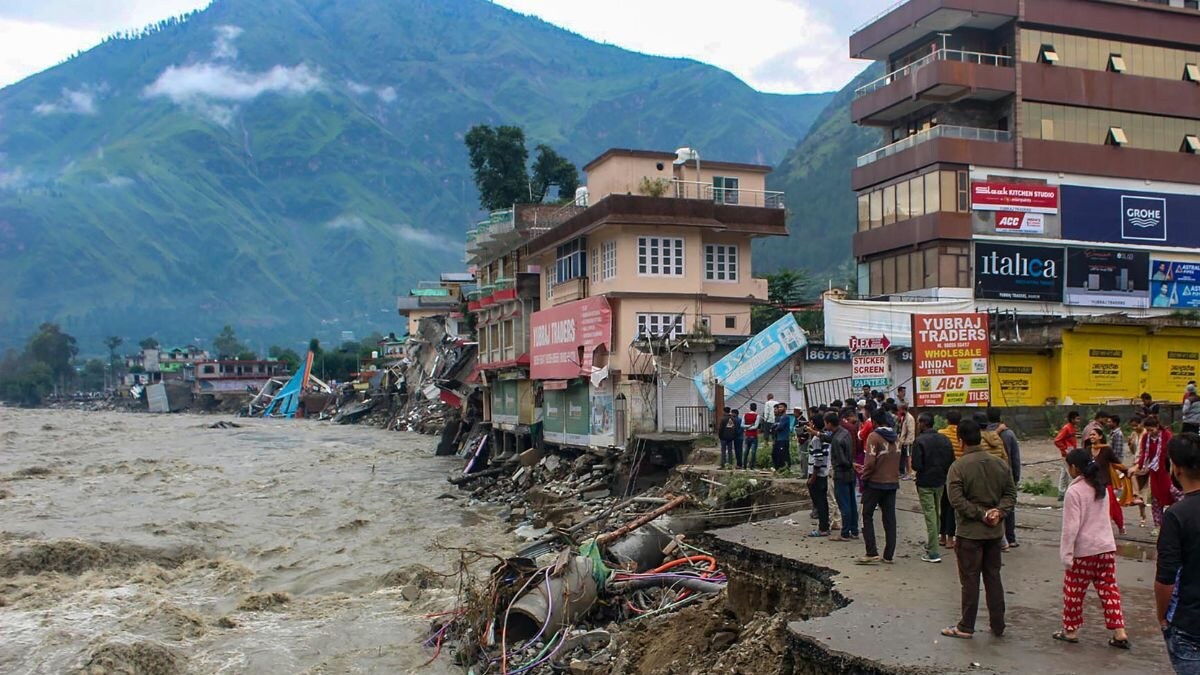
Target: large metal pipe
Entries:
(551, 607)
(693, 583)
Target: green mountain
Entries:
(822, 209)
(290, 166)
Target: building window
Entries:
(608, 260)
(725, 190)
(1116, 64)
(1191, 72)
(551, 273)
(660, 257)
(570, 260)
(1116, 136)
(595, 264)
(1191, 144)
(720, 262)
(731, 322)
(668, 326)
(1048, 55)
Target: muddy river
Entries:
(141, 543)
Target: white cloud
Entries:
(223, 47)
(207, 88)
(71, 102)
(385, 94)
(346, 221)
(13, 179)
(117, 182)
(420, 237)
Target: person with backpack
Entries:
(750, 425)
(818, 479)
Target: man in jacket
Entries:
(781, 449)
(932, 456)
(726, 432)
(881, 480)
(818, 479)
(1012, 448)
(1191, 411)
(982, 493)
(841, 458)
(907, 429)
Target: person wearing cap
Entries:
(1191, 411)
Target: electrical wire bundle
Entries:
(669, 586)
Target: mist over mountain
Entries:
(289, 166)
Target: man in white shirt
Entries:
(769, 414)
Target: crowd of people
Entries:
(857, 452)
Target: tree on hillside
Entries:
(227, 344)
(498, 160)
(148, 343)
(551, 168)
(92, 377)
(785, 288)
(288, 356)
(113, 342)
(57, 350)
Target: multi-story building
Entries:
(1039, 158)
(435, 298)
(594, 317)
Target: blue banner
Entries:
(753, 359)
(1130, 217)
(1174, 284)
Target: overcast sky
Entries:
(786, 46)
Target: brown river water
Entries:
(152, 543)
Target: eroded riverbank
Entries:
(277, 547)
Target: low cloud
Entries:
(13, 179)
(223, 47)
(209, 88)
(420, 237)
(117, 182)
(384, 94)
(346, 222)
(80, 101)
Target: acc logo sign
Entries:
(1143, 218)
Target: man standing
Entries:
(739, 440)
(982, 493)
(950, 431)
(932, 456)
(881, 481)
(781, 450)
(726, 431)
(902, 396)
(750, 423)
(1012, 448)
(769, 413)
(1066, 441)
(818, 480)
(907, 429)
(1177, 581)
(841, 456)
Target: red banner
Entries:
(990, 196)
(564, 338)
(950, 359)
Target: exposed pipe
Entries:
(642, 520)
(550, 607)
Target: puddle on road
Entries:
(1136, 551)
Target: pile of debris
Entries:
(551, 607)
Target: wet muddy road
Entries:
(155, 542)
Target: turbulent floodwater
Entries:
(154, 544)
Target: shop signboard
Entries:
(950, 359)
(1130, 217)
(1015, 272)
(1015, 222)
(564, 338)
(1014, 197)
(872, 371)
(752, 359)
(1107, 278)
(1174, 284)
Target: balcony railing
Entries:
(686, 189)
(980, 58)
(891, 8)
(940, 131)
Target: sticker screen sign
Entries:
(1014, 197)
(950, 359)
(871, 370)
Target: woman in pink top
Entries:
(1088, 550)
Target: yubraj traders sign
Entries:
(950, 359)
(563, 338)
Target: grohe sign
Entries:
(1126, 216)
